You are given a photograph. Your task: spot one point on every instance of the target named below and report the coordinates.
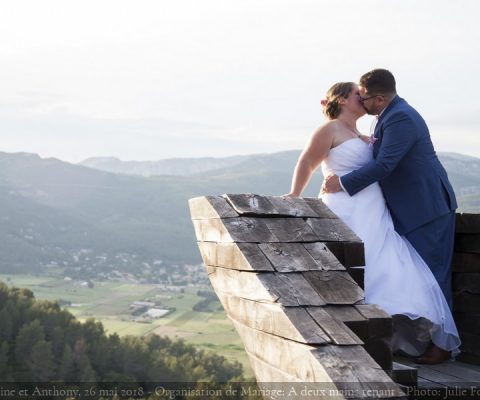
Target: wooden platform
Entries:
(448, 380)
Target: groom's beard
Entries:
(369, 112)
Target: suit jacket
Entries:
(414, 182)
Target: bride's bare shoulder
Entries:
(327, 129)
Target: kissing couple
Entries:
(392, 191)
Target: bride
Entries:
(396, 277)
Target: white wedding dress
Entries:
(396, 277)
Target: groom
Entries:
(415, 185)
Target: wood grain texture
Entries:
(207, 207)
(335, 329)
(240, 284)
(323, 256)
(241, 256)
(352, 366)
(289, 257)
(320, 208)
(291, 289)
(332, 230)
(335, 287)
(293, 206)
(251, 204)
(290, 230)
(293, 323)
(295, 359)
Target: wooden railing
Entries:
(466, 285)
(280, 267)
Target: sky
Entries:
(147, 80)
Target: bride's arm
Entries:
(314, 153)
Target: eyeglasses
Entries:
(362, 99)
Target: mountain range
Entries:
(57, 213)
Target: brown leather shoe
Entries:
(434, 355)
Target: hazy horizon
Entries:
(163, 79)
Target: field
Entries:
(109, 302)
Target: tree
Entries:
(28, 335)
(41, 362)
(4, 362)
(66, 369)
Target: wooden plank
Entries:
(269, 378)
(380, 330)
(332, 230)
(467, 322)
(380, 323)
(207, 207)
(292, 206)
(249, 229)
(466, 262)
(240, 284)
(335, 287)
(241, 256)
(323, 256)
(211, 230)
(448, 374)
(290, 230)
(470, 344)
(428, 373)
(466, 302)
(352, 368)
(251, 204)
(306, 325)
(471, 359)
(354, 254)
(350, 254)
(340, 333)
(358, 275)
(289, 257)
(381, 351)
(467, 223)
(338, 250)
(403, 374)
(293, 323)
(467, 243)
(320, 208)
(468, 372)
(466, 282)
(351, 317)
(286, 289)
(291, 289)
(295, 359)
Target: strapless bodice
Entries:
(347, 157)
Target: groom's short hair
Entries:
(380, 81)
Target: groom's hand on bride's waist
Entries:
(331, 184)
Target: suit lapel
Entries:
(378, 127)
(378, 132)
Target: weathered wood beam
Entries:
(241, 256)
(467, 223)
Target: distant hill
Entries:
(56, 213)
(173, 166)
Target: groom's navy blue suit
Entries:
(415, 185)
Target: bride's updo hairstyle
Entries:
(331, 107)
